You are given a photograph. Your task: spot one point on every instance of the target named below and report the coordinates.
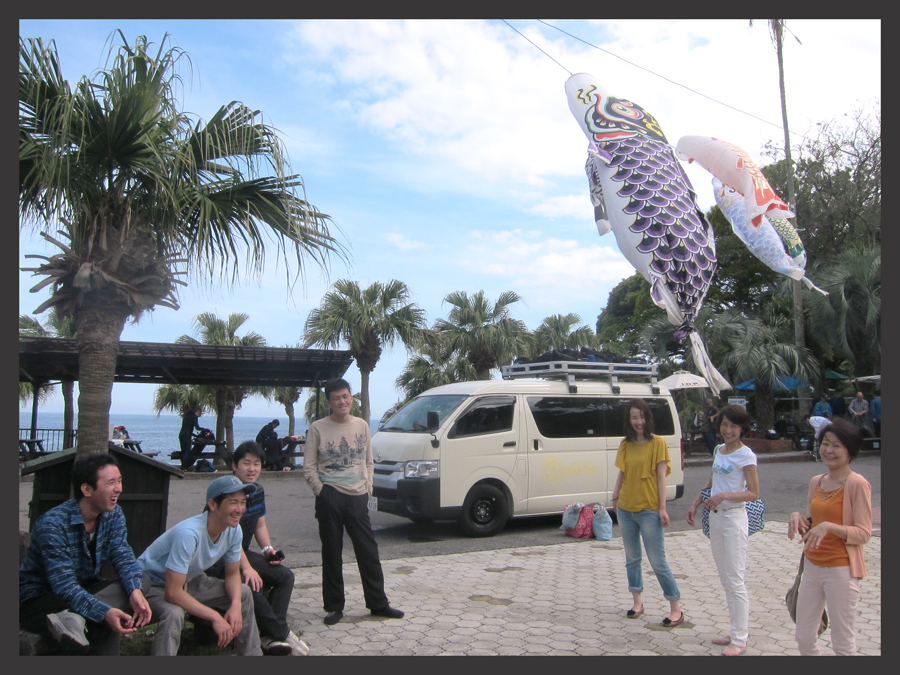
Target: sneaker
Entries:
(298, 646)
(272, 647)
(333, 617)
(388, 612)
(68, 627)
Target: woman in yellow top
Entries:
(640, 502)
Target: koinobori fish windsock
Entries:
(639, 191)
(768, 241)
(731, 165)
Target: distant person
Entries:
(175, 581)
(189, 422)
(708, 425)
(639, 498)
(342, 490)
(822, 408)
(818, 424)
(839, 504)
(859, 409)
(60, 589)
(838, 406)
(268, 440)
(734, 481)
(875, 410)
(271, 581)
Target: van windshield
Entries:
(413, 417)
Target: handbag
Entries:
(584, 527)
(790, 599)
(755, 511)
(602, 523)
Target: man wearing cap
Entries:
(174, 580)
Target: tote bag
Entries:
(755, 511)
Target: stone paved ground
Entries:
(570, 599)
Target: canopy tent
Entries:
(782, 383)
(682, 379)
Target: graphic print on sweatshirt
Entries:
(346, 459)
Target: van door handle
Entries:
(509, 444)
(536, 445)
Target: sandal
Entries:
(631, 614)
(668, 623)
(733, 650)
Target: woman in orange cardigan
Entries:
(840, 523)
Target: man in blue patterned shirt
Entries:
(60, 589)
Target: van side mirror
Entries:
(433, 420)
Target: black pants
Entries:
(335, 511)
(104, 641)
(270, 605)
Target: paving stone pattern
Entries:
(570, 599)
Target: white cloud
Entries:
(403, 242)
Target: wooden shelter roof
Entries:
(50, 359)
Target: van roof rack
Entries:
(583, 370)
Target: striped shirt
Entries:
(59, 561)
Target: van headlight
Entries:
(430, 469)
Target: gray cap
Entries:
(225, 485)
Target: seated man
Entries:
(60, 589)
(271, 582)
(175, 583)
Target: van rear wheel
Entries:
(484, 512)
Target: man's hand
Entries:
(270, 558)
(119, 621)
(234, 619)
(224, 630)
(252, 579)
(141, 608)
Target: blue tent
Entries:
(783, 383)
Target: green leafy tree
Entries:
(141, 193)
(433, 366)
(482, 331)
(559, 332)
(228, 398)
(287, 397)
(366, 320)
(182, 398)
(628, 309)
(57, 326)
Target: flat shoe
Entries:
(733, 650)
(631, 614)
(723, 641)
(668, 623)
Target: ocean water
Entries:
(160, 434)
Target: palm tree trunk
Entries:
(98, 327)
(364, 393)
(289, 410)
(68, 388)
(220, 412)
(765, 410)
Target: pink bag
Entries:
(584, 528)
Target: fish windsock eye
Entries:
(625, 109)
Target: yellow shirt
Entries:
(638, 461)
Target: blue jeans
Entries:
(645, 524)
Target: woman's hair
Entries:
(736, 415)
(847, 433)
(638, 404)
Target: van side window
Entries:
(614, 416)
(568, 417)
(487, 415)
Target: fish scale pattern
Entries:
(666, 214)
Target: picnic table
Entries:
(31, 448)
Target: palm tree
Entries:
(482, 331)
(287, 396)
(848, 319)
(228, 398)
(140, 193)
(60, 327)
(365, 320)
(431, 367)
(26, 393)
(556, 332)
(311, 415)
(182, 398)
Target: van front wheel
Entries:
(484, 512)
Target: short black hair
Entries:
(847, 433)
(248, 448)
(336, 384)
(275, 423)
(736, 414)
(85, 470)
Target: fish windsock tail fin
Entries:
(810, 284)
(713, 377)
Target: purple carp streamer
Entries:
(640, 192)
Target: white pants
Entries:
(834, 586)
(728, 538)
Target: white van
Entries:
(483, 452)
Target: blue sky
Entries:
(446, 153)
